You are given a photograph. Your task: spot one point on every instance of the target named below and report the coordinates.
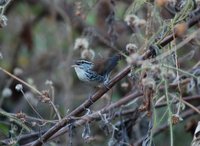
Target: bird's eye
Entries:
(82, 62)
(78, 62)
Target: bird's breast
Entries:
(81, 74)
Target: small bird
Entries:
(88, 71)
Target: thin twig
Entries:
(56, 110)
(163, 127)
(190, 105)
(32, 88)
(21, 81)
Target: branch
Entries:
(82, 107)
(86, 118)
(95, 116)
(187, 98)
(44, 138)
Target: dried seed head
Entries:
(88, 54)
(81, 43)
(131, 48)
(45, 96)
(7, 92)
(33, 124)
(78, 13)
(133, 20)
(133, 58)
(125, 85)
(21, 116)
(149, 83)
(176, 119)
(30, 81)
(19, 87)
(180, 29)
(18, 71)
(49, 82)
(161, 3)
(168, 74)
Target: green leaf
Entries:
(4, 129)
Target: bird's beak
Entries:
(74, 65)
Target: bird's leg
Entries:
(106, 84)
(90, 97)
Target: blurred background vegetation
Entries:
(38, 46)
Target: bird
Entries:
(93, 73)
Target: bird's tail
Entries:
(111, 64)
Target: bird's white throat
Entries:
(81, 74)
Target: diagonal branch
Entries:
(82, 107)
(44, 138)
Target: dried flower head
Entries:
(7, 92)
(133, 58)
(19, 87)
(168, 74)
(88, 54)
(33, 124)
(30, 81)
(18, 71)
(131, 48)
(133, 20)
(81, 43)
(21, 116)
(149, 83)
(125, 85)
(49, 82)
(45, 96)
(180, 29)
(176, 119)
(161, 3)
(78, 8)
